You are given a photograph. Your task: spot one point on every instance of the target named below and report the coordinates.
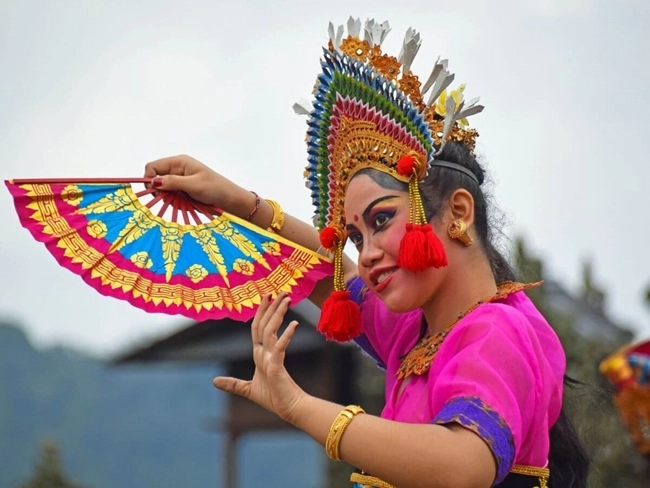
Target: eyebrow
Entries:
(369, 208)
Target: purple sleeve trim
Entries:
(357, 290)
(473, 414)
(365, 346)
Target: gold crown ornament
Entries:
(369, 110)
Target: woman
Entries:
(474, 373)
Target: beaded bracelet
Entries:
(341, 422)
(257, 206)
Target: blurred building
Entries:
(324, 369)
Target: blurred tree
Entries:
(48, 471)
(615, 461)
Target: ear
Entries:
(461, 206)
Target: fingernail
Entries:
(157, 182)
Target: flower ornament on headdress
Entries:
(371, 111)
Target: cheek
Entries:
(392, 238)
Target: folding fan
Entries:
(162, 251)
(629, 370)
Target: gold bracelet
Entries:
(278, 217)
(366, 480)
(341, 422)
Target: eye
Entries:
(380, 219)
(356, 239)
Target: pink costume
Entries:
(499, 372)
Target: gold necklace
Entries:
(418, 360)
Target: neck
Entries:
(468, 281)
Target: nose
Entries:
(370, 253)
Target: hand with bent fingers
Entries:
(271, 386)
(186, 174)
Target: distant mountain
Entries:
(120, 427)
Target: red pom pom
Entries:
(340, 318)
(328, 237)
(420, 249)
(406, 165)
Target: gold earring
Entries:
(458, 230)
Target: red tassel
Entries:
(420, 249)
(340, 318)
(328, 237)
(406, 165)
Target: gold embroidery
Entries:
(196, 273)
(141, 260)
(272, 248)
(210, 247)
(542, 473)
(72, 195)
(96, 229)
(121, 200)
(367, 481)
(418, 360)
(223, 227)
(244, 267)
(139, 223)
(171, 247)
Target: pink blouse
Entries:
(499, 372)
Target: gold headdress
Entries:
(371, 111)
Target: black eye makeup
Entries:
(375, 217)
(380, 217)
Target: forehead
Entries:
(365, 188)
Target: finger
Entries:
(266, 313)
(159, 167)
(284, 340)
(233, 385)
(257, 327)
(172, 182)
(256, 332)
(165, 166)
(275, 322)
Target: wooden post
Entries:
(231, 458)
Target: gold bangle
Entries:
(366, 480)
(278, 217)
(341, 422)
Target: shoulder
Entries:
(511, 323)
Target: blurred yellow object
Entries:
(628, 369)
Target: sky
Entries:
(98, 89)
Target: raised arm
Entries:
(407, 455)
(184, 173)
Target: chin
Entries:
(399, 304)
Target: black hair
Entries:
(568, 459)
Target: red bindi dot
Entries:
(356, 218)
